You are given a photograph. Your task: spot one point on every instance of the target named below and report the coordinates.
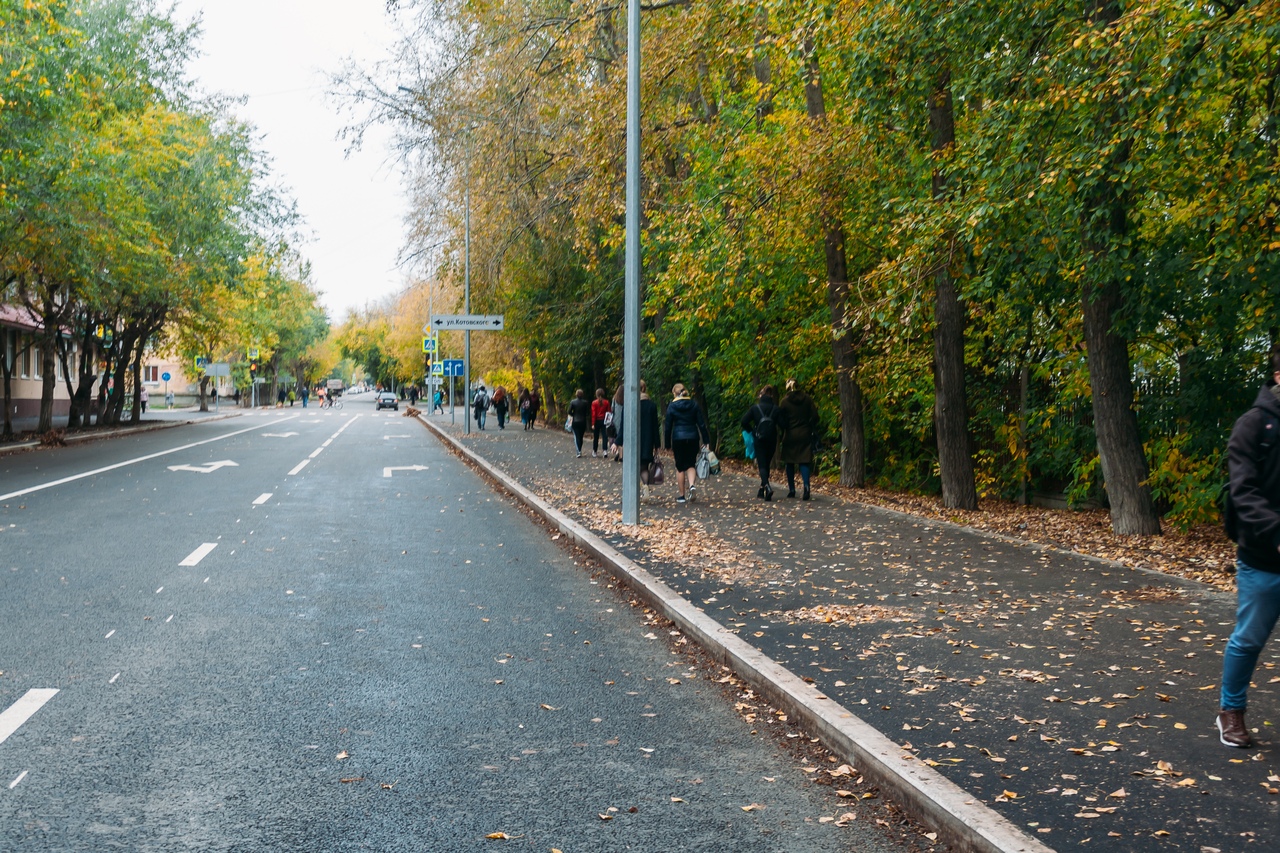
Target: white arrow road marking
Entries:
(149, 456)
(194, 558)
(386, 472)
(205, 469)
(280, 434)
(22, 710)
(263, 498)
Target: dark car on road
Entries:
(387, 400)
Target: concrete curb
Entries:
(960, 820)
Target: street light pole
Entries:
(466, 280)
(631, 313)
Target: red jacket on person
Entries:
(599, 408)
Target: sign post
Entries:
(168, 401)
(468, 323)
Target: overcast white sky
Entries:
(279, 53)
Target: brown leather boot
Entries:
(1231, 729)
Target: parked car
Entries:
(387, 400)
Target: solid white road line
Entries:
(103, 470)
(263, 498)
(299, 467)
(194, 558)
(19, 712)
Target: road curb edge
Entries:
(961, 821)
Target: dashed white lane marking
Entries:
(299, 467)
(263, 498)
(170, 619)
(316, 452)
(160, 590)
(327, 442)
(75, 477)
(194, 558)
(22, 710)
(18, 781)
(110, 634)
(112, 679)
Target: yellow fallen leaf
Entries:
(1119, 794)
(342, 755)
(546, 707)
(676, 800)
(1010, 794)
(499, 836)
(605, 816)
(1179, 725)
(753, 807)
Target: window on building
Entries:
(25, 371)
(151, 374)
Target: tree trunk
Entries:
(950, 413)
(853, 443)
(6, 367)
(1124, 465)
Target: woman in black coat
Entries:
(798, 417)
(761, 420)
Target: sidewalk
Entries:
(1074, 697)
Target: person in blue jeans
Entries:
(1253, 516)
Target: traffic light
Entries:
(253, 368)
(428, 365)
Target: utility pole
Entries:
(631, 313)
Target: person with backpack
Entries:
(686, 433)
(501, 404)
(579, 417)
(1252, 519)
(480, 404)
(535, 403)
(761, 420)
(601, 418)
(798, 417)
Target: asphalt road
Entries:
(347, 641)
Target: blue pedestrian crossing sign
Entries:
(437, 369)
(430, 345)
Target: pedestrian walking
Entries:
(535, 403)
(437, 402)
(291, 398)
(413, 395)
(1253, 520)
(761, 421)
(306, 394)
(143, 397)
(501, 404)
(686, 433)
(798, 418)
(522, 403)
(644, 450)
(281, 395)
(579, 417)
(480, 405)
(611, 425)
(599, 412)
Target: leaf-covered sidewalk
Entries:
(1074, 696)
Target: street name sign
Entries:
(220, 368)
(475, 322)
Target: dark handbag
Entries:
(656, 474)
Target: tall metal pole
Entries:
(631, 315)
(466, 285)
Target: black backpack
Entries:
(1230, 522)
(766, 429)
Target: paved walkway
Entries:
(1075, 697)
